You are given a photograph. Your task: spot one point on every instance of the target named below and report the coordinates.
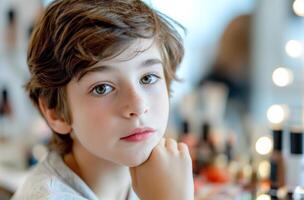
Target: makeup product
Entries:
(277, 165)
(5, 106)
(295, 161)
(229, 147)
(11, 30)
(188, 138)
(204, 151)
(298, 193)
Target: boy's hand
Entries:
(166, 175)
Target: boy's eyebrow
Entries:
(94, 69)
(101, 68)
(151, 62)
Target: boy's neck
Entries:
(108, 180)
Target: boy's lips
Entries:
(139, 134)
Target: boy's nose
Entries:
(134, 105)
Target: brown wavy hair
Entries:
(73, 35)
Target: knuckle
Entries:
(170, 140)
(172, 146)
(157, 149)
(183, 146)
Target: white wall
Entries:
(274, 26)
(204, 20)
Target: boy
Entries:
(100, 75)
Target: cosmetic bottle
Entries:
(187, 137)
(204, 152)
(295, 161)
(277, 164)
(5, 106)
(11, 30)
(277, 167)
(208, 158)
(298, 193)
(229, 147)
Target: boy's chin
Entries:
(138, 160)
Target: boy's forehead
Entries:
(136, 47)
(145, 47)
(148, 50)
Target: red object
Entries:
(214, 174)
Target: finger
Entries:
(182, 147)
(171, 145)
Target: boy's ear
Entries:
(57, 123)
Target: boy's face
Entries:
(121, 95)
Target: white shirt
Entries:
(52, 179)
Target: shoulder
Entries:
(44, 187)
(42, 183)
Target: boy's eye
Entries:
(149, 79)
(102, 89)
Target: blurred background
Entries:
(239, 106)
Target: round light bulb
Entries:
(264, 169)
(263, 197)
(276, 114)
(282, 77)
(298, 7)
(294, 48)
(263, 145)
